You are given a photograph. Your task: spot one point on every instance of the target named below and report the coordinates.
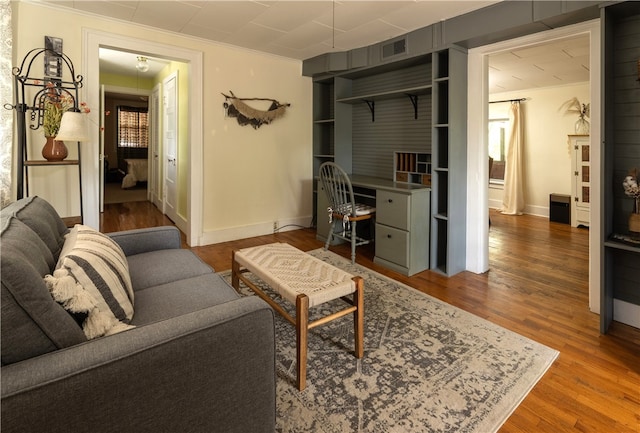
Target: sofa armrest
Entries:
(149, 239)
(211, 370)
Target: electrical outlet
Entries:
(275, 226)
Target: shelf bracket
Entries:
(372, 108)
(414, 101)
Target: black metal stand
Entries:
(46, 89)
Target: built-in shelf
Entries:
(410, 91)
(324, 121)
(621, 245)
(412, 167)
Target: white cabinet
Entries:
(580, 180)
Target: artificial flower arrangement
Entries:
(631, 189)
(573, 106)
(55, 106)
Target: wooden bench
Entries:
(305, 282)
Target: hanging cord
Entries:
(333, 25)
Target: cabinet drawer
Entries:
(392, 244)
(392, 209)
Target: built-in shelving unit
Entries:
(448, 198)
(620, 280)
(404, 121)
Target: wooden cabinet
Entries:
(402, 234)
(580, 180)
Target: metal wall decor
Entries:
(246, 115)
(52, 61)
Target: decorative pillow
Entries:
(92, 279)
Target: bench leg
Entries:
(235, 271)
(358, 317)
(302, 328)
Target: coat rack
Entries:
(46, 88)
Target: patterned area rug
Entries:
(427, 367)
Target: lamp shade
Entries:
(73, 127)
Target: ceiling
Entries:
(293, 29)
(304, 29)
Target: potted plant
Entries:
(54, 107)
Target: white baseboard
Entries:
(542, 211)
(266, 228)
(627, 313)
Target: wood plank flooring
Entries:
(537, 286)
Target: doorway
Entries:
(190, 213)
(126, 161)
(477, 152)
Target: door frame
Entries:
(92, 41)
(477, 152)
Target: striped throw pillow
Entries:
(92, 281)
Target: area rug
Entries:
(427, 366)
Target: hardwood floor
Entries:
(536, 286)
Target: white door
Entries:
(155, 184)
(170, 145)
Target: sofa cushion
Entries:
(181, 297)
(32, 322)
(43, 219)
(151, 269)
(92, 277)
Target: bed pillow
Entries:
(92, 282)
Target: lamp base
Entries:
(54, 150)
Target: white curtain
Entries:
(6, 96)
(513, 198)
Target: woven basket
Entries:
(634, 223)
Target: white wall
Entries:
(547, 164)
(251, 177)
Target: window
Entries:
(133, 127)
(497, 147)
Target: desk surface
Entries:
(384, 184)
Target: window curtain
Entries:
(133, 127)
(6, 95)
(513, 198)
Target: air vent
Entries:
(394, 48)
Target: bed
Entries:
(137, 170)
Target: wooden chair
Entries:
(343, 209)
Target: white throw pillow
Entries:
(92, 278)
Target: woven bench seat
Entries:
(305, 282)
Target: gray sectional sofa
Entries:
(198, 357)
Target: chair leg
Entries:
(329, 236)
(353, 242)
